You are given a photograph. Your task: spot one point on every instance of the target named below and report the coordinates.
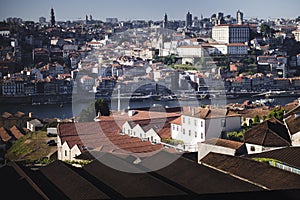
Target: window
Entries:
(195, 121)
(195, 134)
(177, 128)
(223, 122)
(189, 132)
(201, 135)
(183, 120)
(66, 153)
(201, 124)
(252, 148)
(134, 133)
(183, 131)
(128, 132)
(173, 127)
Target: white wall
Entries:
(253, 148)
(192, 131)
(204, 149)
(138, 132)
(190, 51)
(196, 130)
(176, 130)
(296, 139)
(152, 136)
(65, 153)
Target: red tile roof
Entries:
(104, 136)
(5, 137)
(177, 121)
(16, 132)
(207, 113)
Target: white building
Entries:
(297, 34)
(218, 145)
(231, 33)
(153, 130)
(190, 51)
(231, 49)
(34, 125)
(199, 124)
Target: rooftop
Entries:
(261, 174)
(271, 133)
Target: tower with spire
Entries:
(239, 17)
(52, 17)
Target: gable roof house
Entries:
(153, 130)
(75, 138)
(34, 125)
(198, 124)
(268, 135)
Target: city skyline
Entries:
(147, 10)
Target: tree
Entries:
(88, 114)
(266, 30)
(102, 107)
(256, 119)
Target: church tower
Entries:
(52, 17)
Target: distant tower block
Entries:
(165, 24)
(239, 17)
(189, 20)
(52, 18)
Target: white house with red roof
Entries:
(198, 124)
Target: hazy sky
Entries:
(145, 9)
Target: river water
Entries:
(70, 110)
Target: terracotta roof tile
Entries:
(5, 137)
(16, 132)
(104, 135)
(271, 133)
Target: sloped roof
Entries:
(256, 172)
(198, 178)
(104, 136)
(295, 110)
(207, 113)
(288, 155)
(144, 185)
(36, 122)
(271, 133)
(5, 137)
(176, 121)
(16, 132)
(293, 123)
(224, 143)
(70, 183)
